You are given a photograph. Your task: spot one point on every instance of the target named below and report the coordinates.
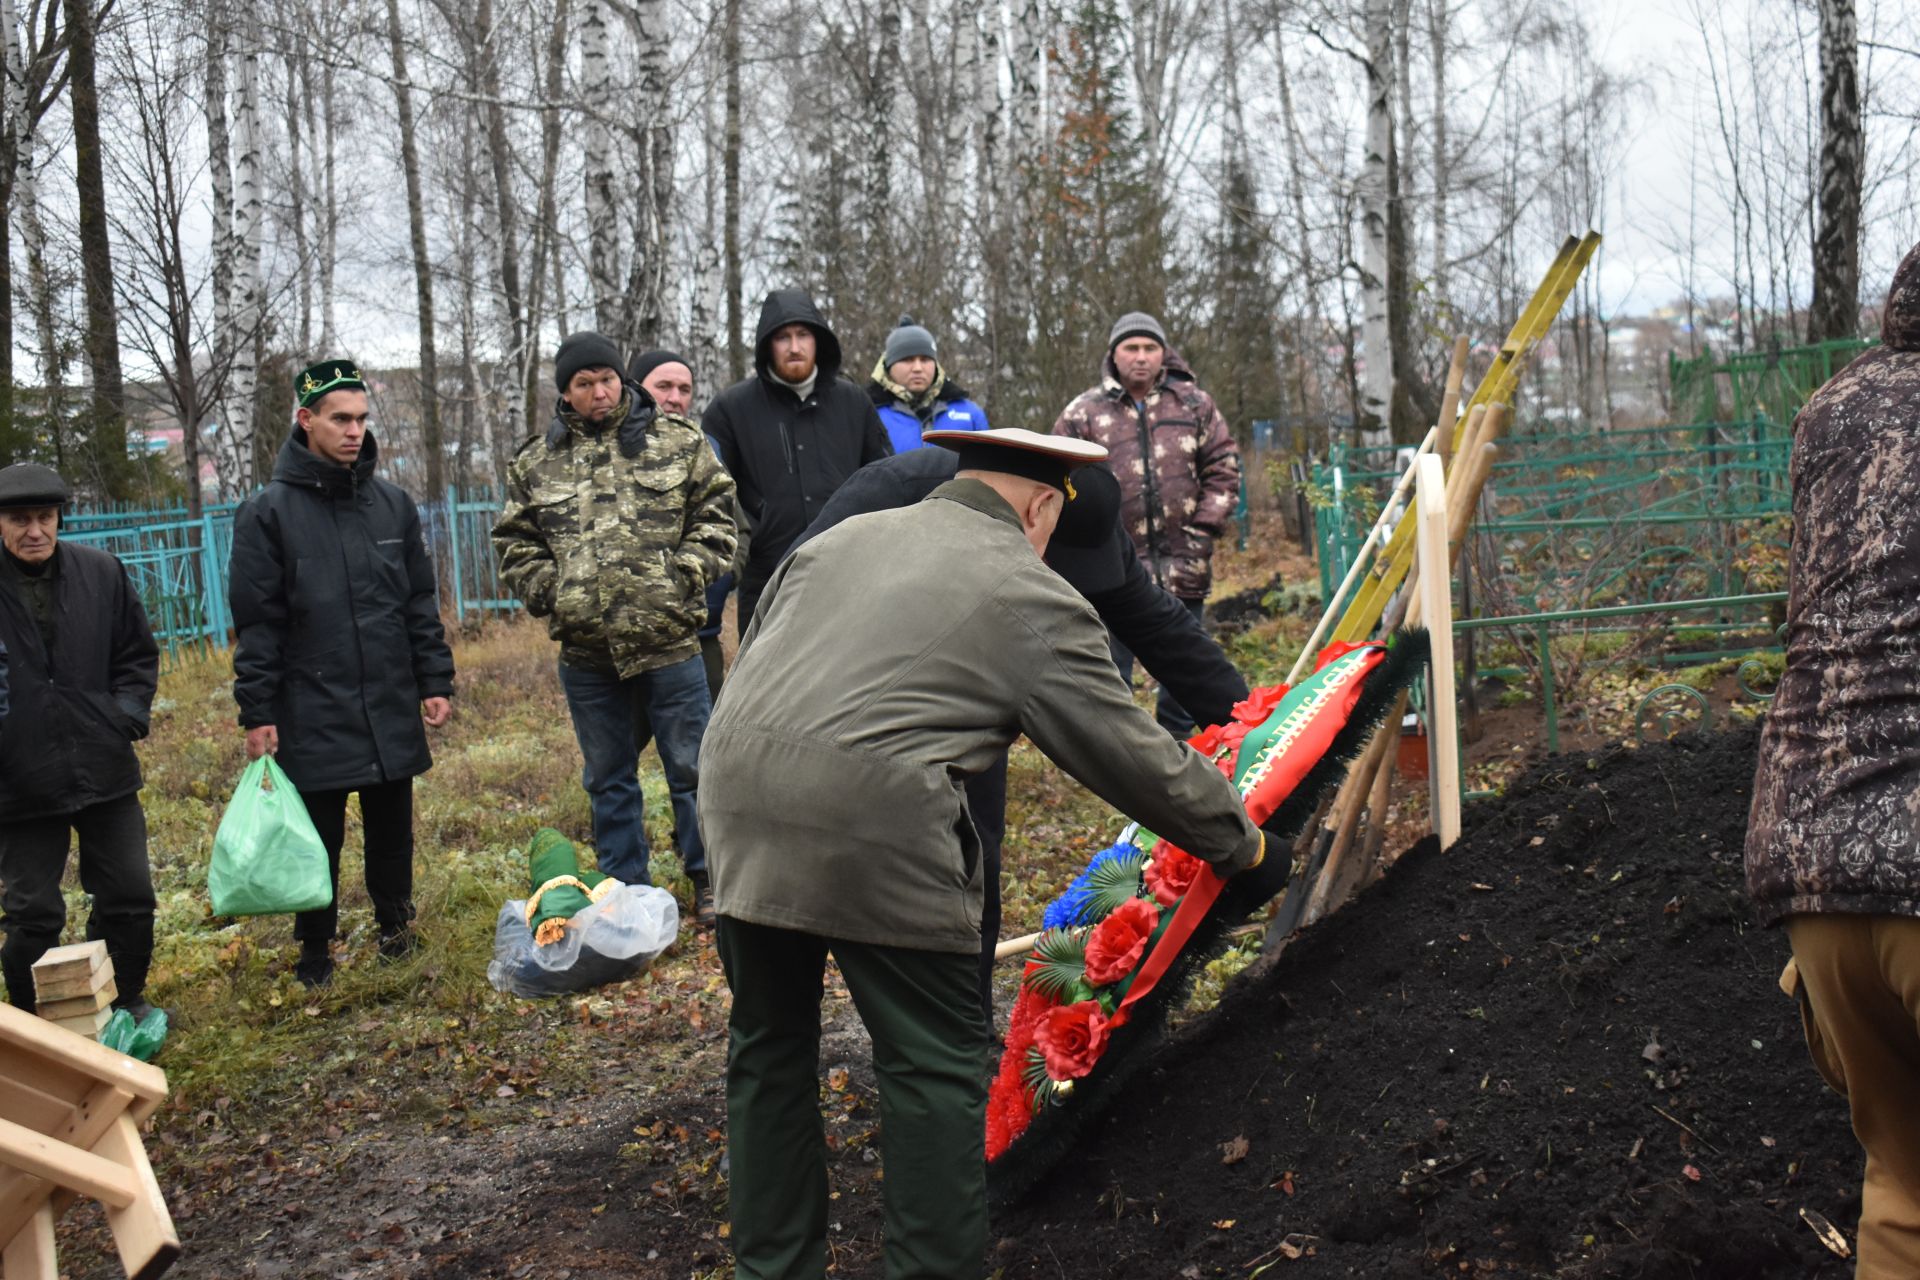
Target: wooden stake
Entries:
(1346, 816)
(1450, 402)
(1362, 560)
(1436, 582)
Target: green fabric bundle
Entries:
(558, 887)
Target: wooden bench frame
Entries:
(70, 1116)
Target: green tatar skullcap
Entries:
(327, 375)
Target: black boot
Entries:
(315, 967)
(16, 961)
(397, 941)
(703, 913)
(129, 940)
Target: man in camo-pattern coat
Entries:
(1833, 841)
(617, 518)
(1178, 467)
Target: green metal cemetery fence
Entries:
(178, 562)
(1586, 520)
(1774, 383)
(1600, 540)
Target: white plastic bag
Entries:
(609, 941)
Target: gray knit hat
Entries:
(1136, 324)
(908, 339)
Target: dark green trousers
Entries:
(922, 1009)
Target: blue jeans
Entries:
(613, 719)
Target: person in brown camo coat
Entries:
(1833, 839)
(1177, 463)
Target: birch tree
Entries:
(107, 427)
(1835, 312)
(603, 260)
(1376, 400)
(422, 262)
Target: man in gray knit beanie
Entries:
(914, 394)
(1178, 467)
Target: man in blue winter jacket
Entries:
(913, 392)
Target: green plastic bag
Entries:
(267, 858)
(141, 1040)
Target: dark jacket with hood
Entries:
(786, 454)
(80, 705)
(1835, 824)
(1175, 507)
(339, 636)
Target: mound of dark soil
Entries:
(1235, 613)
(1557, 1049)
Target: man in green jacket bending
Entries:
(890, 658)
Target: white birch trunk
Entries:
(1376, 393)
(602, 250)
(330, 216)
(990, 108)
(248, 214)
(653, 227)
(227, 450)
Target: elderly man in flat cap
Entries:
(341, 663)
(837, 824)
(83, 666)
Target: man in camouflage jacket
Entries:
(1833, 840)
(1178, 467)
(617, 519)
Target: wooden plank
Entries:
(57, 1004)
(1533, 324)
(1436, 591)
(43, 1157)
(142, 1230)
(89, 1025)
(78, 958)
(82, 1128)
(50, 1079)
(85, 984)
(23, 1034)
(30, 1252)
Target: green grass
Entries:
(429, 1030)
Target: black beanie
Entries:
(583, 351)
(647, 361)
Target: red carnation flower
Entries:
(1118, 942)
(1171, 873)
(1207, 741)
(1072, 1038)
(1259, 704)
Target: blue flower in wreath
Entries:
(1074, 906)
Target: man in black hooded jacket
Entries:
(340, 653)
(790, 433)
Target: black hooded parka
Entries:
(786, 454)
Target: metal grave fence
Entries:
(178, 562)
